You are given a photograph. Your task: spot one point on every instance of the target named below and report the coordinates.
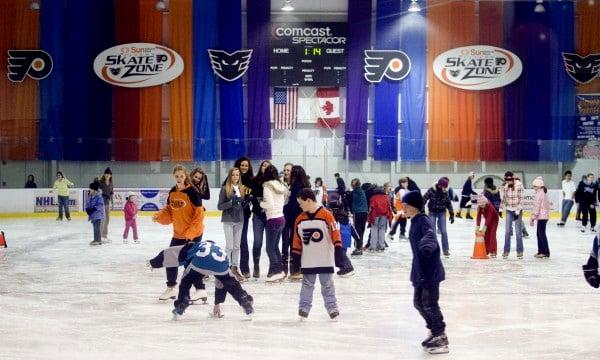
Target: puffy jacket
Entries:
(438, 200)
(62, 187)
(427, 268)
(274, 193)
(489, 213)
(493, 195)
(130, 210)
(359, 201)
(541, 206)
(379, 206)
(185, 212)
(97, 204)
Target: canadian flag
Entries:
(328, 102)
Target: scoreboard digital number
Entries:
(308, 54)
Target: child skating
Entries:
(540, 213)
(95, 210)
(130, 212)
(486, 209)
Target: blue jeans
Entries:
(327, 290)
(63, 202)
(258, 228)
(510, 219)
(273, 236)
(566, 209)
(96, 225)
(440, 219)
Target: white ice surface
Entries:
(63, 299)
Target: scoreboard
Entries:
(308, 54)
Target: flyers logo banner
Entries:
(37, 64)
(582, 69)
(137, 65)
(315, 235)
(393, 64)
(477, 67)
(230, 67)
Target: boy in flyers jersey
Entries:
(315, 245)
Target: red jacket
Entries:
(380, 206)
(489, 213)
(130, 210)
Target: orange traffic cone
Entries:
(2, 239)
(479, 252)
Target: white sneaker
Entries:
(276, 277)
(170, 293)
(200, 294)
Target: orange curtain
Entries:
(588, 37)
(180, 89)
(491, 102)
(126, 101)
(19, 29)
(150, 97)
(453, 112)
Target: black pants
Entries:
(426, 302)
(542, 239)
(465, 203)
(172, 271)
(585, 210)
(286, 243)
(244, 254)
(223, 284)
(402, 223)
(360, 221)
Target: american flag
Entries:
(285, 107)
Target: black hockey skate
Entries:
(437, 345)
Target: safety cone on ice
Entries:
(2, 239)
(479, 252)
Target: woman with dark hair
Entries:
(106, 185)
(245, 167)
(274, 195)
(200, 182)
(298, 181)
(259, 217)
(30, 184)
(62, 185)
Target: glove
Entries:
(90, 210)
(500, 214)
(591, 275)
(297, 260)
(452, 219)
(235, 201)
(339, 256)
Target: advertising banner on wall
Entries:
(588, 126)
(477, 67)
(46, 200)
(145, 199)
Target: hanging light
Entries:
(539, 7)
(414, 6)
(160, 5)
(287, 6)
(34, 5)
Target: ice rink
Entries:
(63, 299)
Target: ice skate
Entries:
(199, 295)
(148, 266)
(561, 224)
(297, 276)
(275, 278)
(169, 293)
(447, 254)
(519, 255)
(593, 229)
(403, 237)
(333, 314)
(390, 237)
(256, 272)
(248, 310)
(179, 309)
(106, 240)
(137, 241)
(346, 272)
(427, 339)
(356, 252)
(302, 315)
(437, 345)
(493, 255)
(124, 241)
(95, 242)
(505, 255)
(236, 273)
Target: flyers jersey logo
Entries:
(582, 69)
(230, 67)
(313, 234)
(37, 64)
(177, 203)
(393, 64)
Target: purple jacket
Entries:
(97, 204)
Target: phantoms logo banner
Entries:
(138, 65)
(477, 67)
(230, 67)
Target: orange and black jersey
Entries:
(184, 209)
(315, 238)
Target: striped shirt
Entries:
(513, 196)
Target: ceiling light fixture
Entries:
(287, 6)
(160, 5)
(539, 7)
(414, 6)
(34, 5)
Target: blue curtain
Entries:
(231, 96)
(413, 96)
(205, 119)
(87, 124)
(562, 88)
(259, 123)
(527, 101)
(385, 144)
(52, 103)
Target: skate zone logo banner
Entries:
(477, 67)
(582, 69)
(230, 67)
(393, 64)
(37, 64)
(137, 65)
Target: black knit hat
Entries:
(488, 181)
(95, 185)
(414, 199)
(108, 171)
